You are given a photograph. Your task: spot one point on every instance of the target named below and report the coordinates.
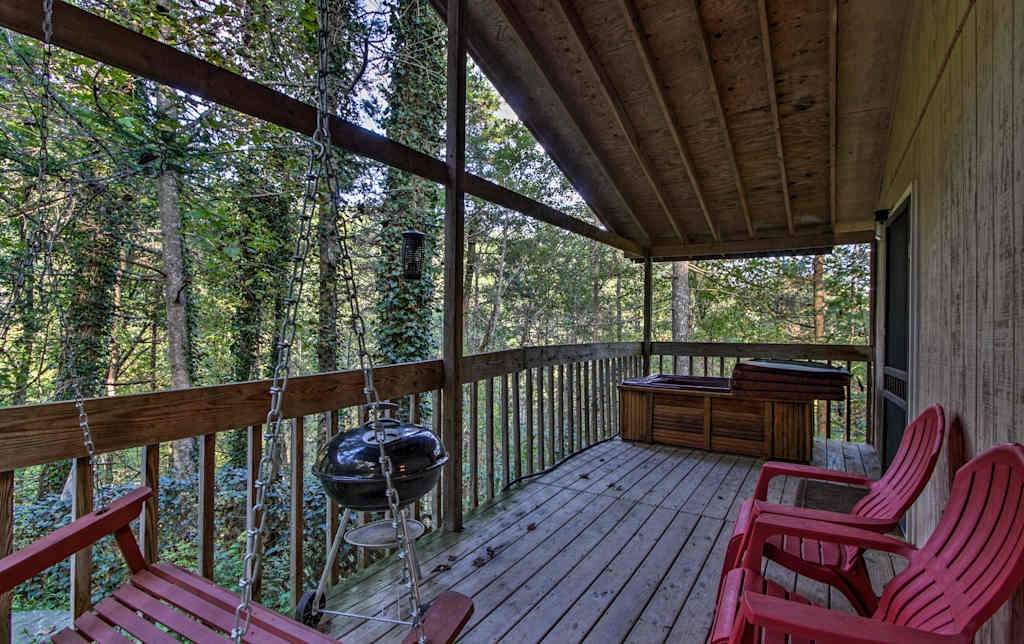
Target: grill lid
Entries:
(353, 455)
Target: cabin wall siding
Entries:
(957, 139)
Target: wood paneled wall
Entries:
(957, 140)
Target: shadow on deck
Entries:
(622, 543)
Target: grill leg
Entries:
(332, 556)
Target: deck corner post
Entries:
(454, 258)
(6, 547)
(648, 313)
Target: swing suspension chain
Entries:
(269, 462)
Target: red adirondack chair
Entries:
(879, 511)
(972, 563)
(187, 604)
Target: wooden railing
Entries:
(526, 410)
(719, 358)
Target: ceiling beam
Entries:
(100, 39)
(741, 192)
(647, 57)
(670, 252)
(578, 31)
(773, 99)
(530, 44)
(833, 99)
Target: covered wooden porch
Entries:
(623, 542)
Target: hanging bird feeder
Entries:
(413, 242)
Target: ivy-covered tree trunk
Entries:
(595, 300)
(91, 247)
(417, 106)
(175, 287)
(681, 307)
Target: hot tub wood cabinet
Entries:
(706, 413)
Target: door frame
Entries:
(913, 262)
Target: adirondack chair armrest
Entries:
(867, 523)
(800, 620)
(771, 469)
(768, 525)
(66, 541)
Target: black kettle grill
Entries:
(348, 466)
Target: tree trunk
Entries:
(618, 307)
(681, 316)
(175, 289)
(819, 329)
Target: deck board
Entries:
(630, 552)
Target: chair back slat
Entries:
(974, 560)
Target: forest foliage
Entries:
(83, 242)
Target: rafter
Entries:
(741, 192)
(625, 124)
(833, 99)
(769, 66)
(531, 45)
(647, 57)
(669, 252)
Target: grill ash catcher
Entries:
(382, 465)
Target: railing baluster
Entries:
(489, 438)
(505, 465)
(296, 506)
(828, 412)
(553, 424)
(149, 524)
(541, 440)
(585, 399)
(414, 419)
(6, 547)
(254, 453)
(849, 387)
(474, 456)
(207, 491)
(561, 412)
(81, 562)
(689, 364)
(517, 426)
(570, 403)
(330, 427)
(869, 404)
(529, 419)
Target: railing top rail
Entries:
(498, 363)
(34, 434)
(839, 352)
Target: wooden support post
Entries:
(6, 547)
(561, 412)
(648, 312)
(435, 423)
(207, 461)
(297, 505)
(585, 398)
(254, 453)
(474, 452)
(849, 369)
(149, 526)
(489, 438)
(454, 256)
(551, 414)
(81, 562)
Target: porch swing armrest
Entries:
(66, 541)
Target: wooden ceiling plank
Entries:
(647, 58)
(833, 98)
(769, 65)
(723, 122)
(530, 44)
(578, 31)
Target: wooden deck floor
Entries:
(622, 543)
